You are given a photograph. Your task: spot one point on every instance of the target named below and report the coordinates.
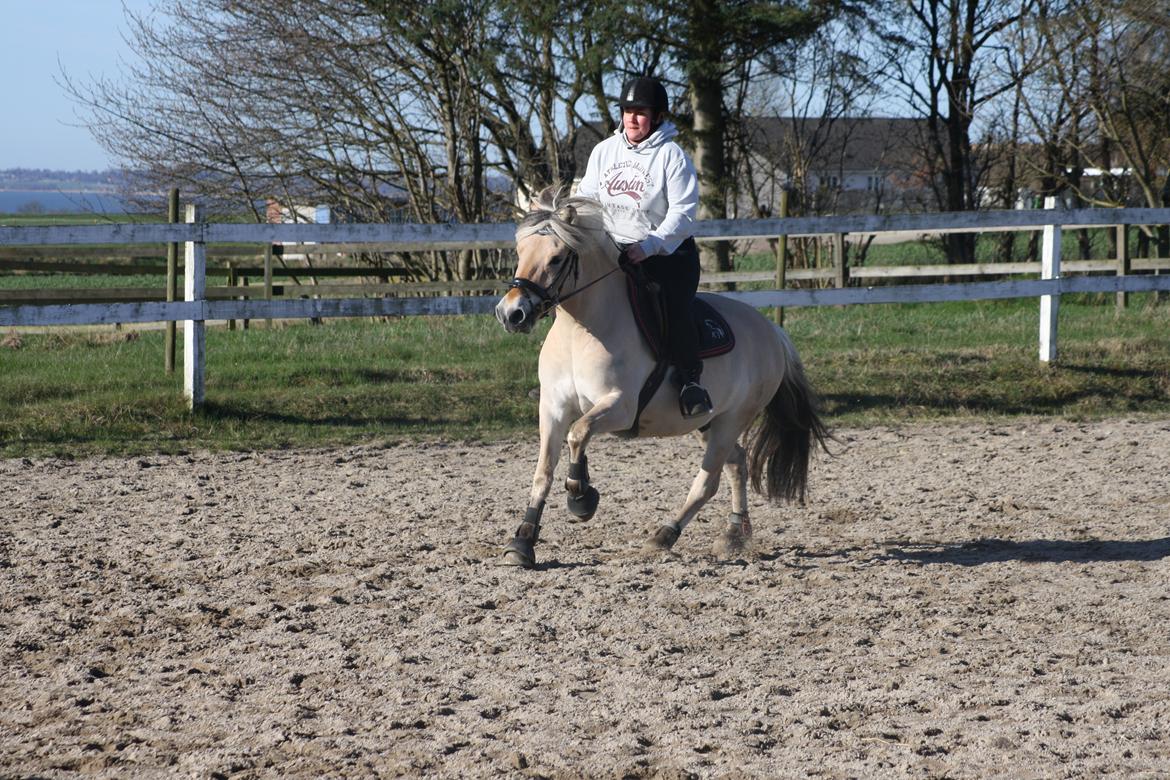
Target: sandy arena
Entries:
(964, 601)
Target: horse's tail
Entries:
(780, 444)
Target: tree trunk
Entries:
(706, 87)
(960, 246)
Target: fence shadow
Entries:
(1113, 372)
(846, 403)
(984, 551)
(357, 420)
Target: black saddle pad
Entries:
(715, 334)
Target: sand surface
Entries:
(976, 600)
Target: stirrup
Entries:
(694, 401)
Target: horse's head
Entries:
(550, 242)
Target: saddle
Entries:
(646, 302)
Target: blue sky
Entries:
(38, 126)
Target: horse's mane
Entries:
(570, 219)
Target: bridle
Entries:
(551, 297)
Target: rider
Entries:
(651, 193)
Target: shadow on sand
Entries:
(985, 551)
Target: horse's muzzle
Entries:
(516, 312)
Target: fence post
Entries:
(231, 280)
(842, 268)
(268, 276)
(194, 290)
(244, 281)
(1163, 244)
(1124, 262)
(172, 281)
(781, 258)
(1049, 304)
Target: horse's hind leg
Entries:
(721, 446)
(738, 532)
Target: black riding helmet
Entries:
(644, 92)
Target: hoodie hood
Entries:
(665, 132)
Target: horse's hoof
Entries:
(663, 539)
(585, 504)
(520, 552)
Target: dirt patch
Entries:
(967, 601)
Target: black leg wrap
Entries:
(528, 531)
(532, 516)
(579, 470)
(745, 523)
(584, 503)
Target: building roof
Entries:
(847, 143)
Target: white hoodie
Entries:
(649, 190)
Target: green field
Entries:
(463, 378)
(77, 393)
(43, 220)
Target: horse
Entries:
(593, 365)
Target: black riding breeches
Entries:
(678, 275)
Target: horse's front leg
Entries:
(611, 413)
(521, 550)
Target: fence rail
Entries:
(413, 237)
(202, 304)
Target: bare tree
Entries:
(803, 124)
(948, 63)
(1108, 59)
(708, 46)
(1100, 106)
(426, 112)
(422, 111)
(814, 92)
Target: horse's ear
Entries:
(567, 214)
(545, 200)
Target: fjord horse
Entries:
(594, 362)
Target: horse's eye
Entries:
(557, 260)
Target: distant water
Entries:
(55, 202)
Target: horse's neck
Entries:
(604, 309)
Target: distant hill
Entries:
(38, 179)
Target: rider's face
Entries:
(636, 121)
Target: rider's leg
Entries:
(678, 274)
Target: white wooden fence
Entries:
(195, 310)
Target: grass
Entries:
(463, 378)
(346, 382)
(49, 220)
(289, 386)
(932, 252)
(891, 364)
(45, 281)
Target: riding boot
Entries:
(693, 399)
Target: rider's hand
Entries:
(635, 254)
